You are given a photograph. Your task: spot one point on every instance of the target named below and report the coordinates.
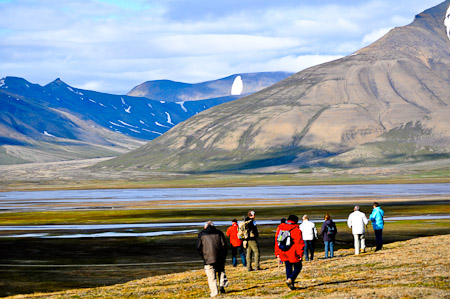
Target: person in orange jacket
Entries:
(291, 254)
(236, 243)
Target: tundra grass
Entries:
(268, 211)
(50, 265)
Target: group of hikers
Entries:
(292, 243)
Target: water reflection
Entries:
(74, 231)
(73, 199)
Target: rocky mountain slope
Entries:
(238, 84)
(57, 122)
(386, 103)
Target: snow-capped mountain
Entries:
(60, 114)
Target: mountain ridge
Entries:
(173, 91)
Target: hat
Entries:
(293, 218)
(234, 220)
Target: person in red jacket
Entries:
(236, 243)
(291, 257)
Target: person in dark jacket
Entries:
(212, 247)
(328, 233)
(292, 257)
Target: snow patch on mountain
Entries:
(2, 82)
(158, 124)
(152, 131)
(447, 21)
(128, 109)
(48, 134)
(113, 123)
(237, 87)
(169, 119)
(74, 91)
(182, 106)
(124, 123)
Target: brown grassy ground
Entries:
(418, 268)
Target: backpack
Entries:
(284, 239)
(331, 230)
(243, 231)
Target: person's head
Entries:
(283, 220)
(251, 214)
(356, 208)
(293, 218)
(305, 217)
(327, 217)
(207, 224)
(375, 204)
(233, 221)
(447, 22)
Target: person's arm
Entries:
(277, 249)
(200, 245)
(301, 245)
(372, 216)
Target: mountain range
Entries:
(238, 84)
(386, 103)
(59, 122)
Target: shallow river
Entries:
(76, 199)
(87, 199)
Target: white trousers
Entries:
(360, 242)
(212, 281)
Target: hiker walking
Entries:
(248, 232)
(357, 222)
(212, 246)
(289, 248)
(236, 243)
(309, 233)
(328, 233)
(377, 218)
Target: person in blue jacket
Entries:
(378, 224)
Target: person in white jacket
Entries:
(309, 234)
(357, 222)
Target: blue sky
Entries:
(113, 45)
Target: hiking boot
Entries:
(290, 284)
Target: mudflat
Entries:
(85, 174)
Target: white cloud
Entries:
(374, 35)
(113, 45)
